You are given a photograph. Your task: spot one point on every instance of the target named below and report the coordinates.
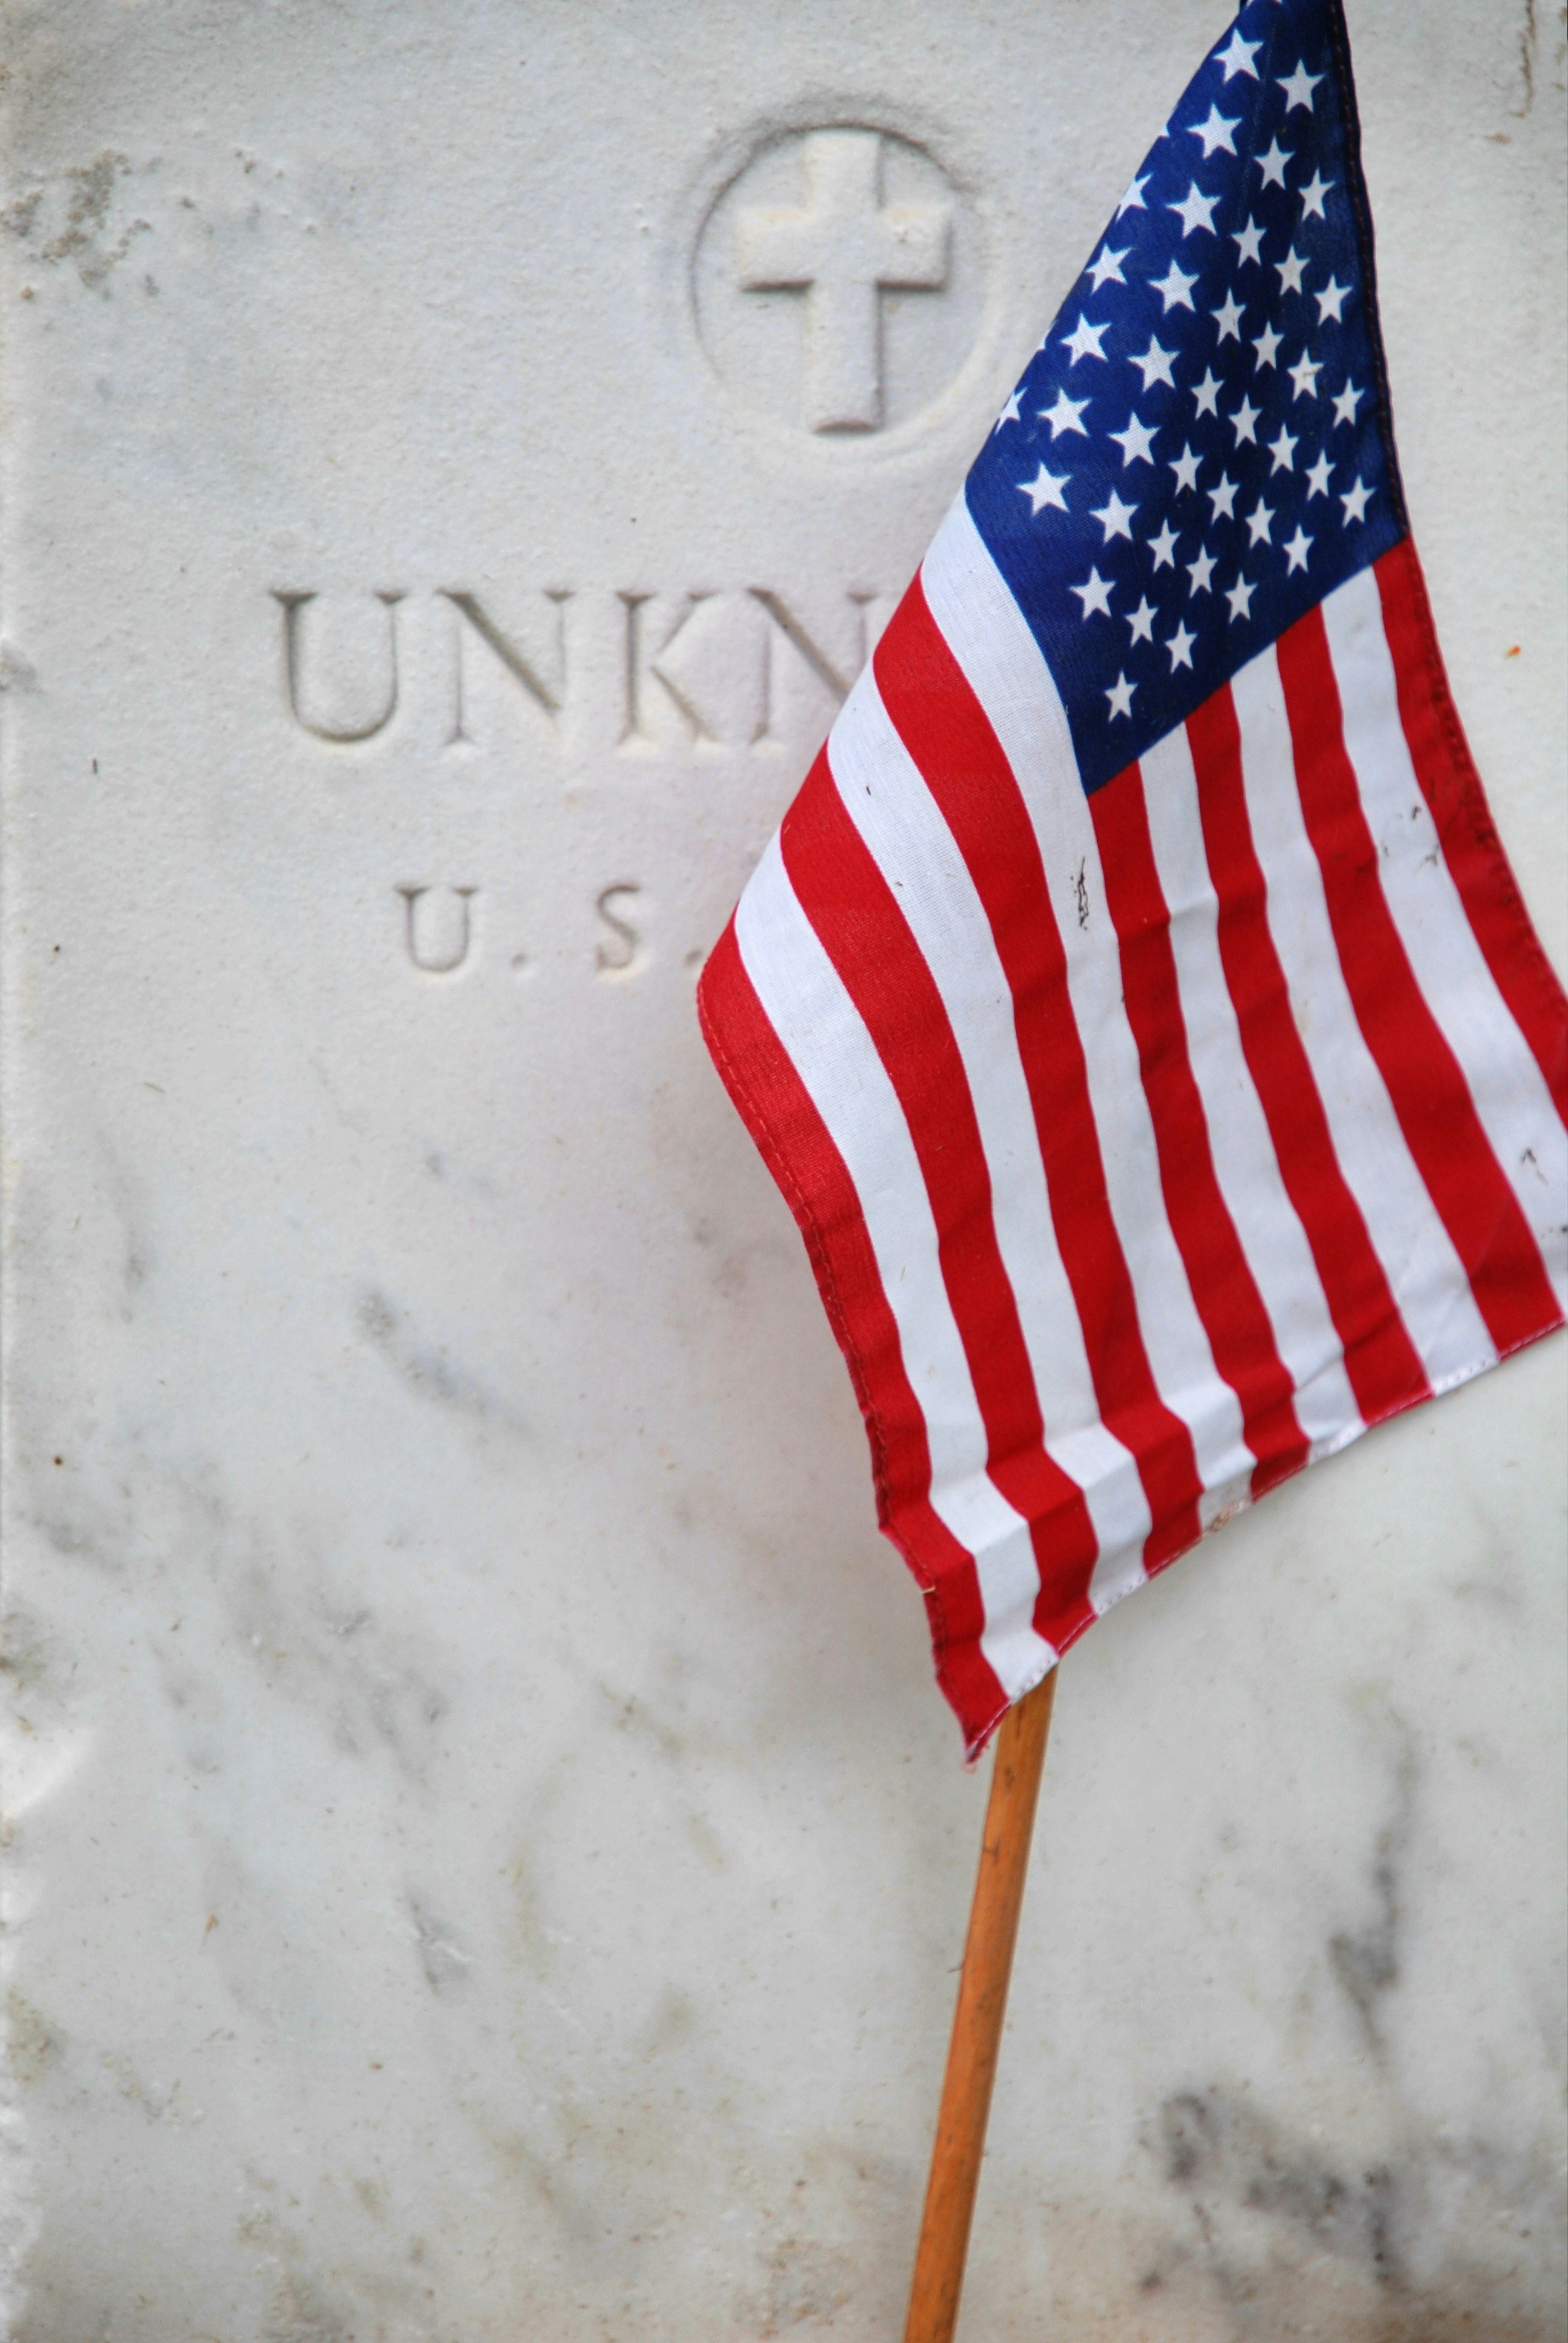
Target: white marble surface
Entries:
(486, 1858)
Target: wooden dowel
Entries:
(977, 2019)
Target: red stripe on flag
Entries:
(1471, 846)
(1381, 1360)
(1429, 1095)
(946, 732)
(856, 917)
(811, 1174)
(1234, 1318)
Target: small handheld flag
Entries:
(1135, 1006)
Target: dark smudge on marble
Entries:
(1323, 2211)
(1214, 2145)
(1366, 1961)
(443, 1957)
(426, 1368)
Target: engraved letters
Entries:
(340, 668)
(545, 692)
(621, 953)
(440, 932)
(588, 670)
(569, 688)
(734, 664)
(437, 927)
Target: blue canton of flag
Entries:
(1199, 450)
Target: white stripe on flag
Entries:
(990, 639)
(1425, 1274)
(1511, 1100)
(886, 798)
(820, 1029)
(1272, 1235)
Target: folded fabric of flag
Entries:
(1136, 1006)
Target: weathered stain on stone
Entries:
(32, 2044)
(424, 1367)
(1366, 1961)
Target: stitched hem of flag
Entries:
(792, 1184)
(1366, 247)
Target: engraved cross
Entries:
(845, 247)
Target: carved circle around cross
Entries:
(838, 281)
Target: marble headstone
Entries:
(486, 1858)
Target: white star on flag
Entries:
(1174, 289)
(1240, 597)
(1237, 58)
(1045, 488)
(1094, 594)
(1200, 572)
(1304, 375)
(1299, 87)
(1206, 394)
(1113, 516)
(1186, 466)
(1136, 442)
(1230, 315)
(1218, 132)
(1085, 339)
(1273, 164)
(1195, 211)
(1154, 363)
(1282, 450)
(1064, 415)
(1179, 647)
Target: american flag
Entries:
(1136, 1006)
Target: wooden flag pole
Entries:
(977, 2019)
